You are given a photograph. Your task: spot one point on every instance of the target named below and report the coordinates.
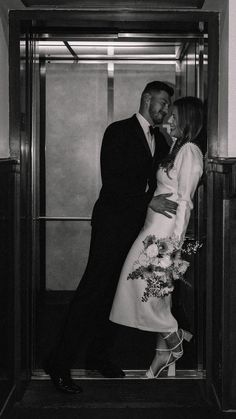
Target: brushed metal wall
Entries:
(77, 107)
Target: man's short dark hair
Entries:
(157, 86)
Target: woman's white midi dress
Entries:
(155, 314)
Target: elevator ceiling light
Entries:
(93, 44)
(140, 48)
(65, 60)
(160, 35)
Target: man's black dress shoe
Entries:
(62, 381)
(106, 368)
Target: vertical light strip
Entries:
(186, 73)
(35, 130)
(200, 77)
(110, 87)
(199, 88)
(200, 60)
(178, 79)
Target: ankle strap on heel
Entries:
(167, 336)
(163, 349)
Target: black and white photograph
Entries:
(117, 209)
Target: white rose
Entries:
(152, 251)
(165, 261)
(143, 260)
(155, 262)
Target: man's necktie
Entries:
(151, 129)
(152, 139)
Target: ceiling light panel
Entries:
(85, 49)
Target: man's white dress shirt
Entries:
(145, 126)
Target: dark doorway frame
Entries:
(84, 19)
(188, 303)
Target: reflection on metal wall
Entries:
(76, 116)
(76, 103)
(80, 99)
(188, 72)
(66, 249)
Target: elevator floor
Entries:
(113, 399)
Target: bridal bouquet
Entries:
(160, 264)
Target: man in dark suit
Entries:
(130, 154)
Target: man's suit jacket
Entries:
(127, 166)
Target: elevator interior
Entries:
(80, 82)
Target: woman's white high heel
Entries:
(175, 352)
(170, 363)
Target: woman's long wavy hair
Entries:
(190, 124)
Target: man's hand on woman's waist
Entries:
(162, 205)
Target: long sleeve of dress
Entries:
(189, 167)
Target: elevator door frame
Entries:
(196, 367)
(22, 147)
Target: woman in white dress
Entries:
(178, 174)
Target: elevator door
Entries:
(82, 85)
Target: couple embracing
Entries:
(147, 189)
